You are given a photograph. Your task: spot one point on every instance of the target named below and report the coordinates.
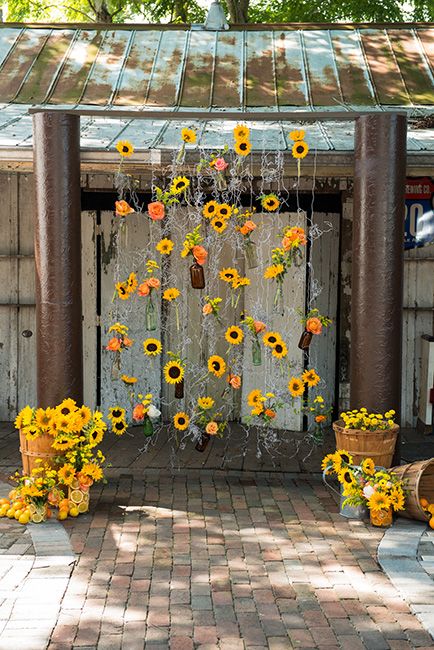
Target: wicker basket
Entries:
(378, 445)
(31, 450)
(420, 483)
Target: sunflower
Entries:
(67, 406)
(219, 224)
(240, 282)
(116, 413)
(327, 463)
(31, 432)
(234, 335)
(83, 416)
(296, 387)
(65, 423)
(224, 210)
(310, 378)
(66, 474)
(280, 350)
(273, 271)
(179, 184)
(216, 365)
(119, 427)
(368, 466)
(346, 476)
(397, 499)
(93, 470)
(62, 443)
(173, 372)
(95, 437)
(205, 403)
(300, 149)
(188, 135)
(171, 294)
(242, 147)
(378, 501)
(165, 246)
(270, 202)
(123, 291)
(341, 456)
(254, 398)
(241, 132)
(43, 418)
(210, 209)
(128, 380)
(125, 148)
(152, 347)
(297, 135)
(270, 339)
(229, 274)
(181, 421)
(132, 282)
(24, 417)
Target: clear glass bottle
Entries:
(151, 315)
(116, 366)
(256, 353)
(197, 276)
(251, 255)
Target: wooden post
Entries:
(56, 138)
(378, 263)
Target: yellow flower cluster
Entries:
(361, 419)
(127, 288)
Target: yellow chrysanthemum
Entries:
(216, 365)
(271, 338)
(310, 378)
(379, 501)
(165, 246)
(219, 224)
(368, 466)
(254, 397)
(152, 347)
(173, 372)
(273, 271)
(179, 184)
(234, 335)
(116, 413)
(188, 135)
(125, 148)
(205, 403)
(242, 147)
(181, 421)
(280, 350)
(300, 149)
(241, 132)
(66, 474)
(171, 294)
(297, 135)
(128, 380)
(209, 210)
(296, 386)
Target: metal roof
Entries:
(268, 67)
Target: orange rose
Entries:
(138, 412)
(259, 326)
(314, 325)
(122, 208)
(143, 289)
(84, 480)
(250, 225)
(207, 309)
(127, 342)
(154, 283)
(199, 254)
(270, 413)
(286, 243)
(320, 418)
(113, 345)
(156, 211)
(212, 428)
(244, 230)
(234, 381)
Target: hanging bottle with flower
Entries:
(192, 247)
(146, 289)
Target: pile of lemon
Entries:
(16, 508)
(429, 509)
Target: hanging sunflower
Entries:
(270, 202)
(188, 135)
(181, 421)
(297, 135)
(254, 397)
(216, 365)
(228, 275)
(241, 132)
(310, 378)
(205, 403)
(171, 294)
(224, 210)
(173, 372)
(128, 380)
(242, 147)
(165, 246)
(179, 184)
(119, 427)
(116, 413)
(280, 350)
(300, 150)
(234, 335)
(132, 282)
(123, 291)
(219, 224)
(296, 387)
(209, 210)
(152, 347)
(125, 148)
(270, 339)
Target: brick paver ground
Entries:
(221, 561)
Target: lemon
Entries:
(83, 506)
(37, 518)
(62, 514)
(73, 511)
(24, 518)
(76, 496)
(18, 513)
(10, 513)
(431, 522)
(4, 502)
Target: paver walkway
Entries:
(222, 561)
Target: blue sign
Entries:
(419, 212)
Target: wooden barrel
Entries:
(31, 450)
(420, 483)
(378, 445)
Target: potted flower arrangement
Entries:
(367, 434)
(366, 485)
(264, 407)
(34, 494)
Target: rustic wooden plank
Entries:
(89, 306)
(26, 357)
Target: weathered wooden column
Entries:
(56, 142)
(378, 262)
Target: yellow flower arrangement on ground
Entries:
(361, 419)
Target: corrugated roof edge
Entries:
(234, 27)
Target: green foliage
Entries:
(238, 11)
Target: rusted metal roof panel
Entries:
(134, 79)
(413, 66)
(228, 82)
(22, 58)
(7, 41)
(354, 80)
(260, 70)
(198, 71)
(321, 68)
(167, 72)
(384, 69)
(291, 82)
